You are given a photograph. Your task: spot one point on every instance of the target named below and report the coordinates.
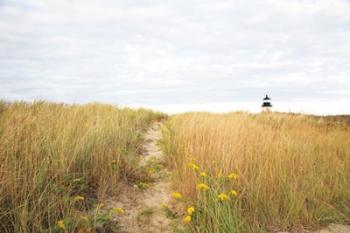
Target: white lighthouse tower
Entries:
(266, 106)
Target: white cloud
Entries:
(177, 53)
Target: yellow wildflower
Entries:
(223, 197)
(164, 205)
(203, 174)
(177, 195)
(193, 166)
(187, 219)
(79, 198)
(85, 218)
(233, 193)
(77, 180)
(190, 210)
(151, 171)
(61, 225)
(232, 176)
(118, 210)
(202, 186)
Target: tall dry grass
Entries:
(294, 170)
(54, 155)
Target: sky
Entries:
(179, 55)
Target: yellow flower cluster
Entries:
(79, 198)
(61, 225)
(177, 195)
(151, 171)
(187, 219)
(164, 205)
(118, 210)
(193, 166)
(202, 186)
(190, 210)
(232, 176)
(85, 218)
(233, 193)
(223, 197)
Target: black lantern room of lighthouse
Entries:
(266, 103)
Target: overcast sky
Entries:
(178, 55)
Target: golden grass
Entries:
(56, 160)
(294, 170)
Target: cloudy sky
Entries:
(178, 55)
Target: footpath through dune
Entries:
(143, 205)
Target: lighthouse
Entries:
(266, 106)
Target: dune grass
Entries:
(57, 161)
(289, 171)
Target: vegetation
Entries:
(234, 172)
(57, 161)
(259, 172)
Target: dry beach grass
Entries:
(57, 161)
(79, 168)
(293, 171)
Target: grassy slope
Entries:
(294, 170)
(53, 154)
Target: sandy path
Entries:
(143, 207)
